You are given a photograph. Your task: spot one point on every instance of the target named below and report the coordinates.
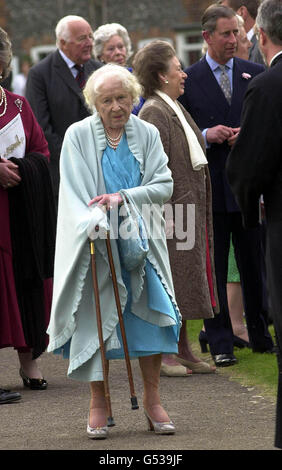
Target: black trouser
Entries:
(247, 247)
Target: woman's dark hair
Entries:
(5, 53)
(150, 61)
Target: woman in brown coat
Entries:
(189, 215)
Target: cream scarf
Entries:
(198, 158)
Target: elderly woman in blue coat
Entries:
(105, 158)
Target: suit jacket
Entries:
(254, 167)
(57, 102)
(255, 163)
(205, 101)
(254, 52)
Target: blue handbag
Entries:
(133, 240)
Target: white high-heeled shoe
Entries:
(165, 427)
(98, 432)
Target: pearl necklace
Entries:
(113, 141)
(3, 100)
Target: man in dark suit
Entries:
(248, 10)
(217, 114)
(254, 166)
(54, 85)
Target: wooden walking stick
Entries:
(134, 403)
(100, 334)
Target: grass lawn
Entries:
(252, 369)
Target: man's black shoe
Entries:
(224, 360)
(6, 396)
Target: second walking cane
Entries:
(134, 403)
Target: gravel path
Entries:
(210, 412)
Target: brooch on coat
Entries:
(19, 104)
(246, 76)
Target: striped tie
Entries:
(225, 83)
(80, 78)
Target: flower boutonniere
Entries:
(246, 76)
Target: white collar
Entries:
(274, 57)
(250, 33)
(68, 61)
(214, 65)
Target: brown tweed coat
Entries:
(190, 187)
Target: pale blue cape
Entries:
(73, 309)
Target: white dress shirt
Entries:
(70, 64)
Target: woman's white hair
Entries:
(110, 71)
(104, 34)
(62, 28)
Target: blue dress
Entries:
(121, 171)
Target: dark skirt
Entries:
(11, 328)
(27, 234)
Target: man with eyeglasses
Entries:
(54, 85)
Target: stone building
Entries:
(31, 23)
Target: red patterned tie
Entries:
(80, 78)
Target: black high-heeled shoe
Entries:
(240, 343)
(33, 384)
(203, 340)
